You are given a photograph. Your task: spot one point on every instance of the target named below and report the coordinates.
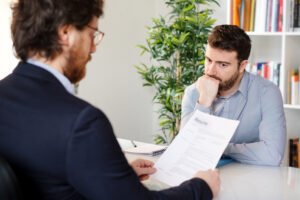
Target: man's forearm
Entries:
(257, 153)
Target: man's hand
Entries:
(208, 89)
(211, 177)
(143, 168)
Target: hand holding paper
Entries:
(212, 178)
(198, 146)
(143, 168)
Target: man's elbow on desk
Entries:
(275, 158)
(272, 160)
(247, 156)
(263, 162)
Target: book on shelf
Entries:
(260, 16)
(294, 152)
(290, 73)
(236, 5)
(294, 86)
(280, 15)
(268, 15)
(294, 21)
(298, 153)
(295, 89)
(247, 15)
(269, 70)
(252, 15)
(274, 18)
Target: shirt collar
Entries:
(60, 77)
(243, 88)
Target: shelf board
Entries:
(290, 106)
(273, 33)
(293, 33)
(265, 33)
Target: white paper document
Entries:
(198, 146)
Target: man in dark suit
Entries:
(60, 146)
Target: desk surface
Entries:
(245, 182)
(239, 181)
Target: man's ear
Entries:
(243, 65)
(64, 34)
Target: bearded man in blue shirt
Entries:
(228, 91)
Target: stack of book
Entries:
(257, 15)
(294, 152)
(269, 70)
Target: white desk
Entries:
(245, 182)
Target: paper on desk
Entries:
(146, 149)
(198, 146)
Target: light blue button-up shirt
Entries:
(261, 135)
(60, 77)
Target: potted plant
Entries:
(176, 44)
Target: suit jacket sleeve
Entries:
(97, 168)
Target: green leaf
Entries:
(144, 49)
(190, 7)
(160, 139)
(183, 37)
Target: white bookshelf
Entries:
(283, 47)
(289, 106)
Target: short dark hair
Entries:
(35, 23)
(231, 38)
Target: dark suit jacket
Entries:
(61, 147)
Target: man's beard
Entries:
(228, 84)
(76, 67)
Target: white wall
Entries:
(112, 82)
(219, 12)
(8, 61)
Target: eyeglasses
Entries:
(98, 35)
